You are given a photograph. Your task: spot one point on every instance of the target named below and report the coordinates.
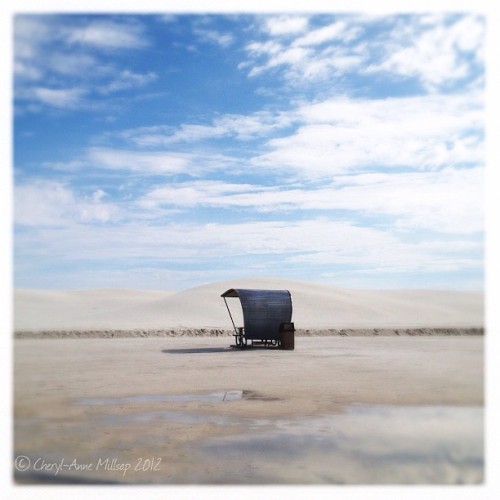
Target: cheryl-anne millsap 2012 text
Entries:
(23, 463)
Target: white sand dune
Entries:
(315, 306)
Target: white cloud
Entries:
(29, 33)
(56, 62)
(270, 47)
(435, 54)
(258, 124)
(285, 25)
(51, 203)
(437, 50)
(393, 259)
(69, 98)
(75, 64)
(289, 245)
(299, 62)
(106, 34)
(309, 54)
(135, 161)
(163, 162)
(168, 18)
(242, 127)
(26, 71)
(330, 138)
(128, 79)
(293, 56)
(468, 34)
(344, 134)
(315, 55)
(213, 36)
(447, 201)
(339, 30)
(159, 136)
(204, 193)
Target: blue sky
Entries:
(168, 151)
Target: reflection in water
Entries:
(145, 417)
(364, 445)
(211, 397)
(175, 415)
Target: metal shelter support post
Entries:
(231, 316)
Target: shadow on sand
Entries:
(232, 348)
(202, 350)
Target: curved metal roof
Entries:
(263, 310)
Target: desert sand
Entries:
(368, 410)
(378, 407)
(315, 307)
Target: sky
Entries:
(169, 151)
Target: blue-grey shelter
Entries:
(264, 314)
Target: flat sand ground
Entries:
(192, 410)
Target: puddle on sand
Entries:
(155, 415)
(211, 397)
(176, 416)
(364, 445)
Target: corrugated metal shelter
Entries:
(264, 312)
